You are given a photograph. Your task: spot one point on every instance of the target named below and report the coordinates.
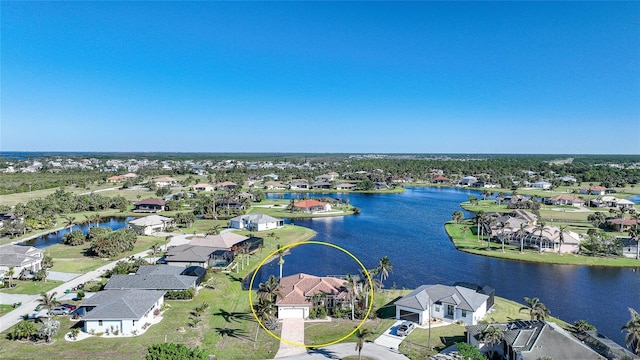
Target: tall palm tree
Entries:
(48, 301)
(71, 220)
(352, 294)
(502, 225)
(491, 223)
(361, 334)
(215, 229)
(491, 336)
(269, 290)
(155, 248)
(10, 274)
(561, 231)
(537, 310)
(635, 233)
(540, 227)
(632, 327)
(281, 251)
(479, 221)
(521, 232)
(384, 267)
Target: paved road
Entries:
(14, 317)
(341, 350)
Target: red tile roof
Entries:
(309, 203)
(296, 289)
(440, 178)
(151, 202)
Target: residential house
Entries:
(211, 250)
(8, 218)
(624, 204)
(467, 181)
(165, 181)
(605, 346)
(594, 190)
(256, 222)
(226, 185)
(129, 311)
(565, 200)
(20, 258)
(274, 185)
(621, 224)
(296, 292)
(115, 179)
(311, 206)
(299, 184)
(150, 224)
(532, 340)
(381, 186)
(443, 303)
(544, 185)
(129, 176)
(346, 186)
(440, 180)
(203, 187)
(321, 185)
(159, 277)
(150, 205)
(327, 177)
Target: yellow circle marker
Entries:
(253, 277)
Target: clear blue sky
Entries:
(415, 77)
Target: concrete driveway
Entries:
(292, 331)
(389, 338)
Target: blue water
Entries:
(56, 237)
(408, 227)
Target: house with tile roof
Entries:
(297, 291)
(594, 190)
(150, 224)
(149, 205)
(226, 185)
(128, 311)
(533, 340)
(564, 200)
(311, 206)
(449, 304)
(255, 222)
(440, 179)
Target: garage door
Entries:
(291, 313)
(409, 316)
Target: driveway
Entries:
(292, 331)
(338, 351)
(389, 339)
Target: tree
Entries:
(155, 248)
(632, 327)
(25, 329)
(48, 301)
(269, 290)
(352, 294)
(480, 217)
(597, 219)
(469, 352)
(561, 231)
(384, 268)
(521, 233)
(361, 334)
(582, 325)
(281, 251)
(10, 274)
(73, 238)
(215, 229)
(49, 329)
(457, 216)
(540, 227)
(171, 351)
(537, 310)
(491, 336)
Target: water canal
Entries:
(408, 227)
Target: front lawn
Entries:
(31, 287)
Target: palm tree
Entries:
(457, 216)
(155, 248)
(281, 251)
(360, 335)
(502, 225)
(479, 220)
(634, 233)
(71, 220)
(491, 336)
(215, 229)
(521, 233)
(384, 268)
(632, 327)
(540, 227)
(10, 274)
(96, 217)
(561, 231)
(537, 310)
(48, 301)
(269, 290)
(352, 294)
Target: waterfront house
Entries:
(443, 303)
(158, 277)
(297, 291)
(346, 186)
(621, 224)
(150, 224)
(532, 340)
(256, 222)
(440, 180)
(321, 185)
(467, 181)
(149, 205)
(129, 312)
(20, 258)
(299, 184)
(203, 256)
(565, 200)
(544, 185)
(311, 206)
(274, 185)
(594, 190)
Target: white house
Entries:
(203, 187)
(467, 180)
(446, 303)
(150, 224)
(165, 181)
(299, 184)
(256, 222)
(129, 312)
(296, 291)
(541, 185)
(20, 257)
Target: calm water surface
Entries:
(43, 241)
(408, 227)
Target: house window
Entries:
(438, 308)
(99, 322)
(464, 313)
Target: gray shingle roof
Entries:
(190, 253)
(461, 297)
(151, 282)
(121, 304)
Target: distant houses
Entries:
(165, 181)
(311, 206)
(150, 224)
(211, 250)
(255, 222)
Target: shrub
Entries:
(180, 294)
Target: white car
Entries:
(405, 328)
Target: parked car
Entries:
(70, 306)
(60, 310)
(405, 328)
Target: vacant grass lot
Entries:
(471, 245)
(31, 287)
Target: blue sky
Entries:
(414, 77)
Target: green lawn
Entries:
(5, 309)
(471, 245)
(31, 287)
